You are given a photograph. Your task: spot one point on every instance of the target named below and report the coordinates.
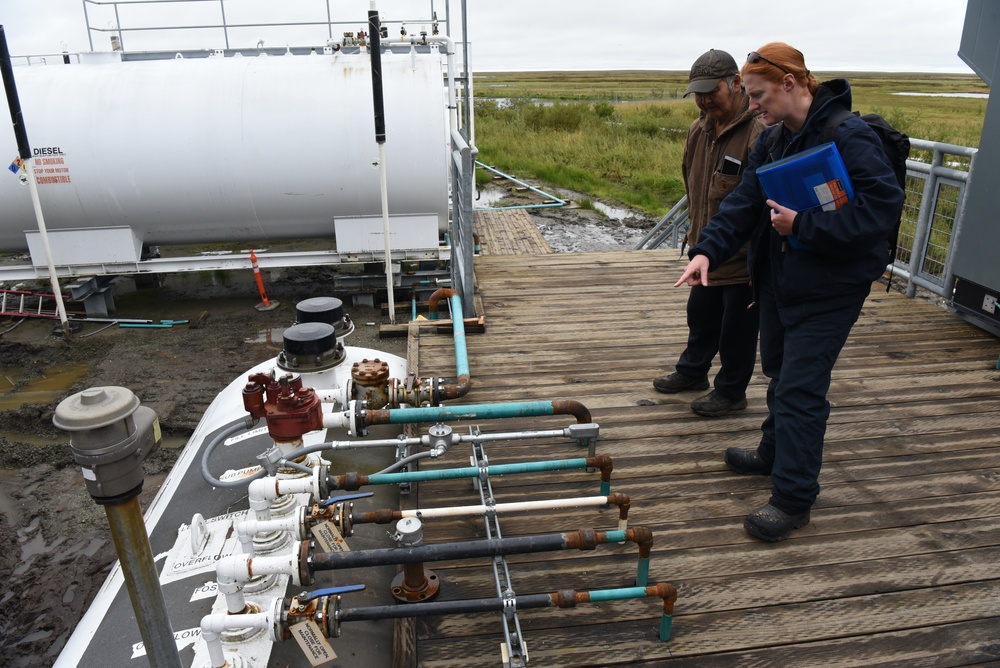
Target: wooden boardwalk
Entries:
(900, 565)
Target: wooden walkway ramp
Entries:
(900, 565)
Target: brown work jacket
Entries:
(708, 179)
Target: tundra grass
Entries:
(619, 136)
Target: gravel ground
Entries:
(59, 548)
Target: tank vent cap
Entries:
(310, 347)
(325, 309)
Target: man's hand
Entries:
(696, 272)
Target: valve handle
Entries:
(347, 497)
(305, 596)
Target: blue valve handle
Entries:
(305, 597)
(347, 497)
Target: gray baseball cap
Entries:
(711, 67)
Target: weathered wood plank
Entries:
(900, 565)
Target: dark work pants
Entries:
(798, 359)
(719, 322)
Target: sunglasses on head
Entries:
(754, 57)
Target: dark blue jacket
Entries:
(847, 247)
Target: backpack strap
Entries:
(833, 122)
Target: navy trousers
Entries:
(798, 359)
(719, 322)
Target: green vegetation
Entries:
(619, 136)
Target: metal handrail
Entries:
(934, 174)
(224, 25)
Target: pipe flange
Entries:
(429, 588)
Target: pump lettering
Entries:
(47, 150)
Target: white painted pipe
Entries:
(248, 529)
(213, 625)
(517, 506)
(332, 395)
(264, 491)
(44, 235)
(233, 571)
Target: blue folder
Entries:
(814, 178)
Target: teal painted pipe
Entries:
(560, 599)
(666, 622)
(642, 572)
(474, 471)
(469, 412)
(605, 487)
(547, 205)
(458, 329)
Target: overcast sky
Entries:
(846, 35)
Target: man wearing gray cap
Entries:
(720, 317)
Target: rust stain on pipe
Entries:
(571, 407)
(642, 537)
(667, 592)
(623, 502)
(602, 463)
(439, 294)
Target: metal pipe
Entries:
(478, 412)
(463, 381)
(556, 202)
(560, 599)
(354, 481)
(584, 539)
(375, 50)
(386, 516)
(139, 571)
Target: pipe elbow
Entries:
(232, 571)
(604, 464)
(571, 407)
(665, 591)
(643, 538)
(624, 503)
(262, 490)
(459, 389)
(435, 299)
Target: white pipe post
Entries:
(383, 184)
(43, 233)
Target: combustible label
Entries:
(329, 538)
(312, 642)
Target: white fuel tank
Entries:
(225, 148)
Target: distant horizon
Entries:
(965, 73)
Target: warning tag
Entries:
(329, 539)
(312, 642)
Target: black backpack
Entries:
(897, 149)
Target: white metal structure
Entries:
(250, 147)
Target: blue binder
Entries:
(814, 178)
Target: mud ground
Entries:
(57, 549)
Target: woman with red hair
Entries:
(810, 293)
